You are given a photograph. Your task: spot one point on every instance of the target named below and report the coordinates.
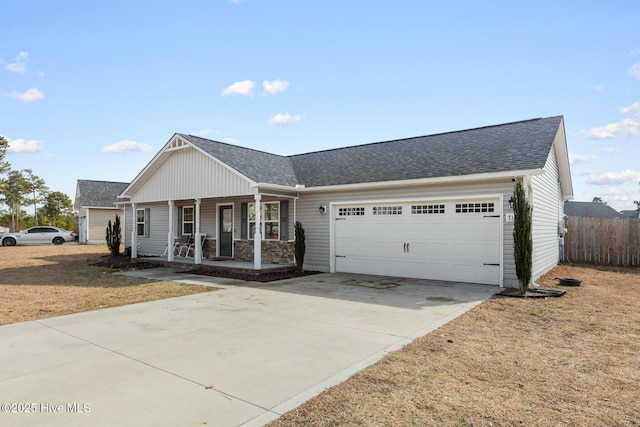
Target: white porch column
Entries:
(170, 233)
(257, 238)
(134, 232)
(196, 238)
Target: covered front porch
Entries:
(247, 232)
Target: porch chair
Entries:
(192, 246)
(176, 244)
(183, 243)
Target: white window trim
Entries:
(192, 222)
(143, 222)
(263, 221)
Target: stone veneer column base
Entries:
(273, 251)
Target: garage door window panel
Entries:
(351, 211)
(475, 207)
(387, 210)
(427, 209)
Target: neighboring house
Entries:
(590, 210)
(96, 204)
(633, 214)
(433, 207)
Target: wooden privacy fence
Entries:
(603, 241)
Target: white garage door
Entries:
(448, 240)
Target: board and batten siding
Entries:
(188, 174)
(317, 225)
(548, 210)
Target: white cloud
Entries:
(29, 96)
(230, 140)
(635, 70)
(283, 119)
(617, 199)
(20, 65)
(275, 86)
(239, 88)
(614, 178)
(626, 127)
(610, 150)
(23, 146)
(632, 109)
(204, 132)
(575, 159)
(126, 146)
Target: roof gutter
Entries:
(402, 183)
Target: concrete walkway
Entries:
(240, 356)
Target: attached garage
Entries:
(454, 240)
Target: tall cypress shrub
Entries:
(299, 246)
(522, 240)
(114, 236)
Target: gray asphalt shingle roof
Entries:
(591, 210)
(523, 145)
(258, 166)
(100, 193)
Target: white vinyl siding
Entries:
(547, 211)
(155, 243)
(188, 174)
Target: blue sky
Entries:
(92, 90)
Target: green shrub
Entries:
(299, 246)
(114, 236)
(522, 240)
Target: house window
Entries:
(141, 222)
(350, 211)
(475, 207)
(427, 209)
(187, 220)
(270, 219)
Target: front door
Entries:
(226, 231)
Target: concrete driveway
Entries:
(242, 355)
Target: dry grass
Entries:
(45, 281)
(570, 361)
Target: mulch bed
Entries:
(124, 262)
(542, 293)
(247, 277)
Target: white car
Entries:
(38, 235)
